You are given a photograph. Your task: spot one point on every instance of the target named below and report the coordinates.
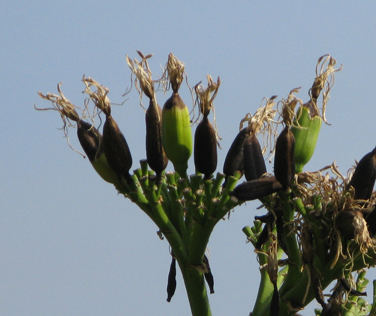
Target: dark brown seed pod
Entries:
(208, 275)
(284, 163)
(350, 290)
(155, 153)
(363, 179)
(371, 221)
(264, 236)
(171, 282)
(345, 222)
(254, 163)
(116, 148)
(205, 148)
(256, 189)
(274, 306)
(90, 139)
(234, 160)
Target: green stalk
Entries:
(196, 290)
(294, 262)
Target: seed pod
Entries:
(205, 153)
(256, 189)
(235, 158)
(155, 153)
(346, 220)
(91, 142)
(254, 163)
(176, 133)
(116, 148)
(306, 130)
(363, 179)
(205, 148)
(208, 275)
(171, 282)
(371, 221)
(284, 164)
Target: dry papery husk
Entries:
(204, 101)
(67, 111)
(262, 122)
(336, 203)
(323, 82)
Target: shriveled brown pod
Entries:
(205, 148)
(90, 139)
(208, 275)
(363, 179)
(256, 189)
(234, 160)
(155, 153)
(284, 163)
(114, 144)
(254, 163)
(116, 148)
(171, 282)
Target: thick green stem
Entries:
(196, 290)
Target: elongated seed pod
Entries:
(116, 148)
(91, 141)
(306, 131)
(363, 179)
(205, 148)
(234, 160)
(256, 189)
(208, 275)
(176, 133)
(171, 282)
(284, 163)
(155, 153)
(254, 163)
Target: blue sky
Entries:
(69, 244)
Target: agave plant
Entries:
(318, 227)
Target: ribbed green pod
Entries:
(306, 130)
(177, 133)
(91, 142)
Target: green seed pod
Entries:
(235, 158)
(116, 148)
(155, 153)
(205, 148)
(256, 189)
(363, 179)
(176, 133)
(91, 142)
(284, 163)
(254, 163)
(306, 130)
(171, 282)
